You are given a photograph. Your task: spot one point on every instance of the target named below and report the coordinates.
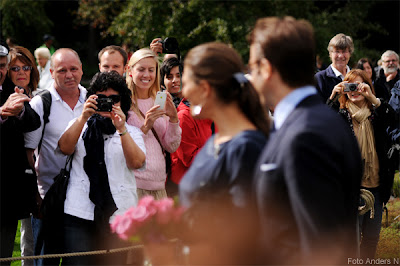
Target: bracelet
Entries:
(123, 133)
(378, 103)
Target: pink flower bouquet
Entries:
(150, 221)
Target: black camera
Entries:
(170, 45)
(104, 104)
(350, 87)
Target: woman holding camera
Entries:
(102, 184)
(160, 126)
(368, 117)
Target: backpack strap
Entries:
(46, 99)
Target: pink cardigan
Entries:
(153, 176)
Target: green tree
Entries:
(26, 21)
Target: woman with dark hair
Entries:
(366, 65)
(102, 184)
(368, 117)
(217, 186)
(22, 69)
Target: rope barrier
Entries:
(369, 200)
(50, 256)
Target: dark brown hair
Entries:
(353, 74)
(114, 48)
(289, 46)
(217, 63)
(22, 54)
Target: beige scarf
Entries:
(365, 136)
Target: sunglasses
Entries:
(115, 98)
(24, 68)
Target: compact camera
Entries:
(104, 104)
(350, 87)
(170, 45)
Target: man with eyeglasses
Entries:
(67, 101)
(388, 75)
(340, 50)
(16, 118)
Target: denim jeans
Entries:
(371, 228)
(37, 226)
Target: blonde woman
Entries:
(160, 126)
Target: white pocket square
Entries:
(267, 167)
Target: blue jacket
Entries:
(326, 80)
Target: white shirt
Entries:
(338, 73)
(287, 104)
(46, 80)
(120, 177)
(48, 164)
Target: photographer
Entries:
(102, 182)
(169, 47)
(368, 117)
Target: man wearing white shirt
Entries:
(340, 50)
(68, 98)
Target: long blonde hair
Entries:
(136, 57)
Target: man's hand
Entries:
(156, 46)
(14, 104)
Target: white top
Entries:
(120, 177)
(338, 73)
(48, 164)
(46, 80)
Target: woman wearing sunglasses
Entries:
(102, 182)
(22, 69)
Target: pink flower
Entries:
(123, 226)
(164, 210)
(149, 203)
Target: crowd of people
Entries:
(267, 170)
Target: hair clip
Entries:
(240, 78)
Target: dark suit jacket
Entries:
(383, 89)
(307, 187)
(326, 80)
(17, 191)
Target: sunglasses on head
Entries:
(114, 97)
(24, 68)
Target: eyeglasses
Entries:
(24, 68)
(340, 52)
(390, 61)
(115, 98)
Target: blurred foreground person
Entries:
(307, 179)
(217, 186)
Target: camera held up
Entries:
(170, 45)
(104, 104)
(350, 87)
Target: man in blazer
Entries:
(340, 49)
(308, 176)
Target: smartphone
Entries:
(161, 97)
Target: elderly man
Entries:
(18, 188)
(113, 57)
(67, 100)
(308, 176)
(340, 49)
(388, 75)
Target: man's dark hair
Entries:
(289, 46)
(114, 48)
(167, 66)
(111, 80)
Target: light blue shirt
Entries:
(338, 73)
(287, 104)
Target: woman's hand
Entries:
(156, 46)
(170, 109)
(90, 107)
(337, 90)
(118, 118)
(365, 90)
(151, 116)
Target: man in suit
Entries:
(308, 176)
(340, 49)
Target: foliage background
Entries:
(89, 25)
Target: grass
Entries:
(17, 247)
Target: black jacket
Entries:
(17, 190)
(382, 88)
(382, 118)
